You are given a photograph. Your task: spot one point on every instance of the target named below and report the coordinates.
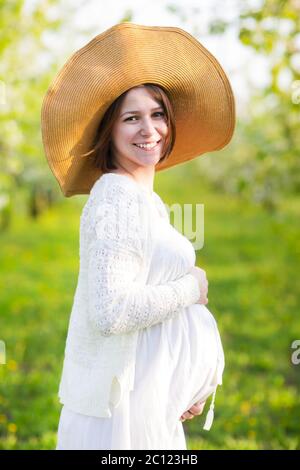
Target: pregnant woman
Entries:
(142, 349)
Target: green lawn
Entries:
(251, 259)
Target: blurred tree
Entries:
(25, 69)
(263, 158)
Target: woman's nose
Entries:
(147, 126)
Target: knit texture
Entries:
(117, 302)
(112, 299)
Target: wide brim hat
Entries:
(124, 56)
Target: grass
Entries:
(251, 260)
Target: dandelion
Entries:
(245, 407)
(12, 365)
(12, 427)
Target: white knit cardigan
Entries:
(112, 300)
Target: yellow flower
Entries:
(12, 427)
(252, 421)
(245, 407)
(12, 365)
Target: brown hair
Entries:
(101, 149)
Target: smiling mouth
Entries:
(148, 149)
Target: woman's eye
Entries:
(131, 117)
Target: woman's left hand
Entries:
(195, 410)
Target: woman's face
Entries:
(139, 123)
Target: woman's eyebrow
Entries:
(131, 112)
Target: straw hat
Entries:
(124, 56)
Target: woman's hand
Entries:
(200, 275)
(195, 410)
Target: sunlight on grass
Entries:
(251, 260)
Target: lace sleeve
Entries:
(118, 302)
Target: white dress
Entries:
(178, 362)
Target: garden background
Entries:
(250, 192)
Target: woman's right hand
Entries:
(200, 275)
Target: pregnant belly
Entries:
(178, 362)
(197, 350)
(197, 357)
(206, 353)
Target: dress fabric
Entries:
(178, 362)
